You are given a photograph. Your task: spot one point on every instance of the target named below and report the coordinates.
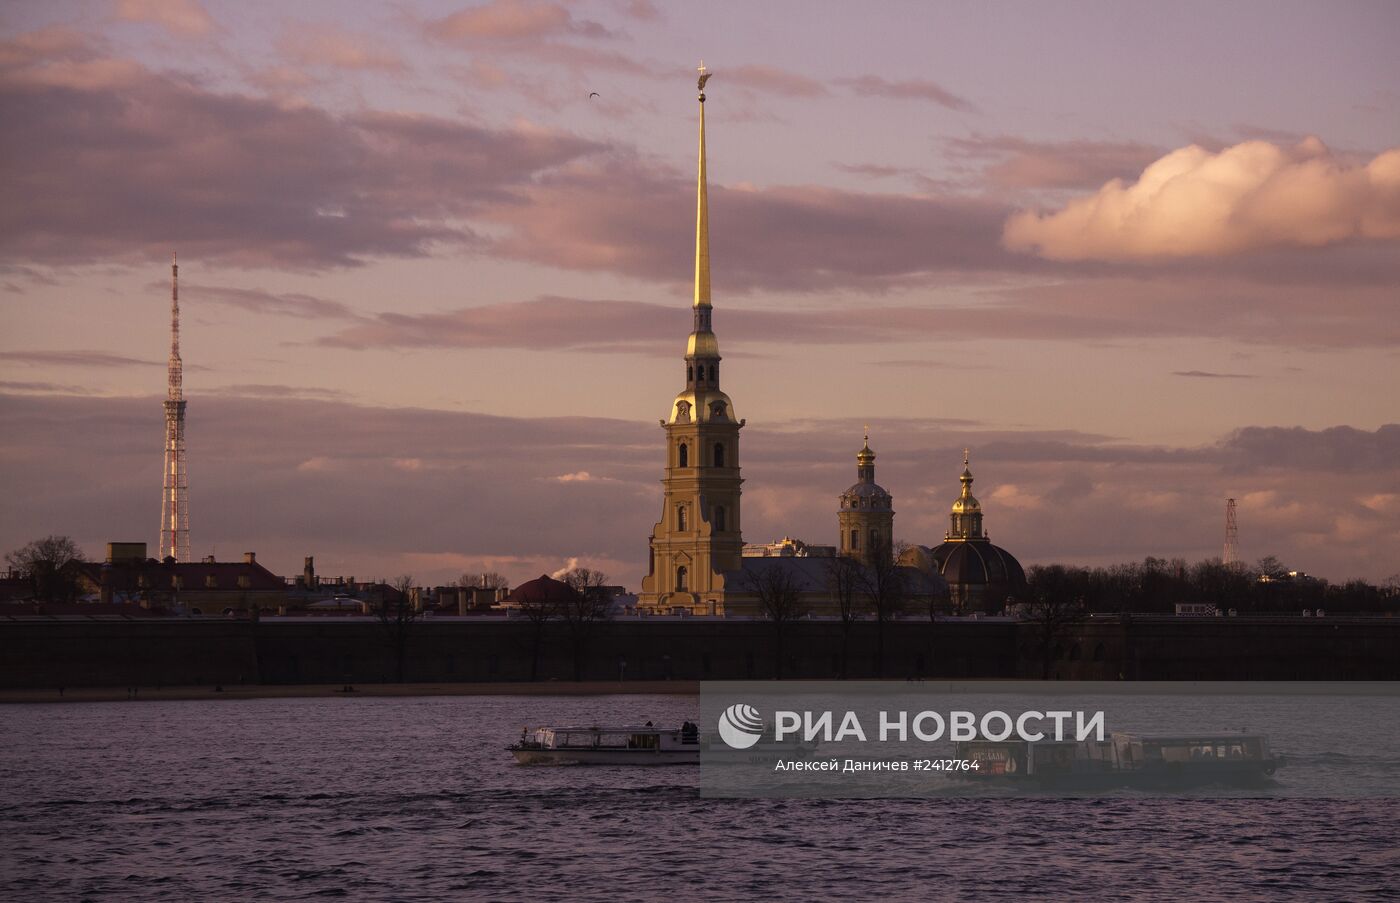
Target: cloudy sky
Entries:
(1138, 257)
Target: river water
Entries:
(416, 799)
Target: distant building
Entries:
(787, 547)
(197, 587)
(981, 577)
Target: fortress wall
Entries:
(83, 652)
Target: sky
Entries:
(1139, 258)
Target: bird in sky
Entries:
(593, 95)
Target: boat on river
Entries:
(594, 745)
(645, 745)
(1124, 760)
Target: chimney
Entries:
(250, 557)
(308, 571)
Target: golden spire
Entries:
(702, 210)
(965, 498)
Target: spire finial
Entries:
(865, 458)
(966, 453)
(702, 211)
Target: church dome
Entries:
(966, 503)
(873, 495)
(865, 492)
(978, 564)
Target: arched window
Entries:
(719, 518)
(681, 579)
(855, 540)
(719, 454)
(680, 517)
(685, 455)
(690, 374)
(712, 373)
(874, 541)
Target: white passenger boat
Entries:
(1124, 760)
(646, 745)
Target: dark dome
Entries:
(543, 589)
(878, 496)
(978, 563)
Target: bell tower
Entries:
(698, 537)
(866, 516)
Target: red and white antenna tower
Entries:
(175, 501)
(1232, 536)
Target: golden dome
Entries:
(702, 344)
(865, 456)
(966, 503)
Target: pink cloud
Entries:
(911, 89)
(773, 80)
(1196, 203)
(180, 17)
(335, 47)
(513, 20)
(116, 162)
(623, 218)
(1062, 310)
(1022, 163)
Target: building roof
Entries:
(976, 562)
(194, 575)
(543, 589)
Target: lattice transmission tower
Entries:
(1231, 557)
(175, 495)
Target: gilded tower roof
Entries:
(966, 502)
(865, 488)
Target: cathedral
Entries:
(697, 542)
(698, 563)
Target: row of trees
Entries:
(1158, 584)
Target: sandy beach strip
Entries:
(338, 691)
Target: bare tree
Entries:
(1271, 567)
(887, 591)
(482, 580)
(394, 608)
(779, 599)
(590, 606)
(844, 580)
(1053, 609)
(52, 565)
(538, 611)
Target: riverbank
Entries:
(340, 691)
